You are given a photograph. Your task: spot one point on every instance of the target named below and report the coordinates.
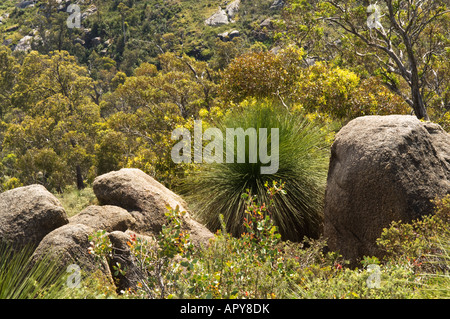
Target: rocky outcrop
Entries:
(24, 44)
(224, 16)
(217, 18)
(382, 169)
(232, 8)
(28, 214)
(146, 200)
(133, 206)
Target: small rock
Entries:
(277, 4)
(25, 4)
(96, 41)
(24, 44)
(223, 36)
(266, 23)
(79, 41)
(108, 217)
(228, 35)
(89, 11)
(233, 34)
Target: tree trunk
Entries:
(419, 106)
(80, 183)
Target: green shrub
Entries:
(258, 264)
(215, 189)
(12, 183)
(414, 242)
(423, 246)
(332, 283)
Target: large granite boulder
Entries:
(382, 169)
(28, 214)
(147, 201)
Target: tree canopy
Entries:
(76, 105)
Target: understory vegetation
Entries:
(257, 264)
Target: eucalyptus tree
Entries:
(406, 42)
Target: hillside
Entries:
(135, 31)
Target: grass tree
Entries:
(303, 160)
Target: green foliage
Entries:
(65, 123)
(344, 95)
(11, 183)
(147, 107)
(71, 111)
(407, 49)
(321, 87)
(109, 151)
(259, 265)
(8, 73)
(263, 74)
(303, 160)
(343, 283)
(260, 233)
(422, 246)
(21, 280)
(53, 136)
(414, 242)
